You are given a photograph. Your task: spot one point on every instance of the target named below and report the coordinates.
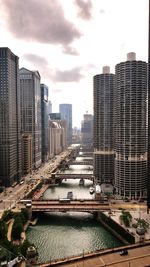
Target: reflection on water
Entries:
(59, 235)
(69, 185)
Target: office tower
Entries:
(87, 130)
(49, 107)
(148, 155)
(55, 116)
(66, 114)
(30, 94)
(26, 153)
(45, 108)
(103, 138)
(10, 137)
(57, 136)
(130, 127)
(76, 135)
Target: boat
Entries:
(91, 190)
(70, 195)
(81, 182)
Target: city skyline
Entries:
(70, 50)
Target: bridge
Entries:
(64, 205)
(87, 162)
(62, 176)
(86, 154)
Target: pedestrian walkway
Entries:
(39, 193)
(10, 225)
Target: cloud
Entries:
(41, 21)
(36, 60)
(70, 50)
(102, 11)
(56, 75)
(73, 75)
(84, 9)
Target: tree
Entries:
(126, 218)
(142, 223)
(3, 230)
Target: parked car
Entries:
(124, 252)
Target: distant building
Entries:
(130, 127)
(76, 135)
(27, 153)
(30, 94)
(66, 114)
(55, 116)
(57, 137)
(45, 108)
(10, 128)
(103, 127)
(49, 107)
(87, 129)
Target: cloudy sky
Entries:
(69, 41)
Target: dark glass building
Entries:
(130, 127)
(103, 137)
(45, 122)
(66, 114)
(30, 92)
(87, 130)
(10, 131)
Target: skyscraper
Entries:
(44, 122)
(103, 127)
(130, 127)
(10, 134)
(31, 110)
(66, 114)
(87, 130)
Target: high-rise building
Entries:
(130, 127)
(103, 138)
(66, 114)
(27, 153)
(87, 130)
(30, 94)
(57, 136)
(10, 134)
(45, 108)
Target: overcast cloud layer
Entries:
(84, 9)
(41, 21)
(56, 75)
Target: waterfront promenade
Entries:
(138, 256)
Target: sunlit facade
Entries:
(30, 93)
(10, 131)
(103, 127)
(130, 127)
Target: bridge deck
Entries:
(69, 205)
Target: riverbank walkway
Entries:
(138, 256)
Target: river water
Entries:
(60, 235)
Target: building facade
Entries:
(66, 114)
(27, 153)
(45, 108)
(10, 130)
(30, 95)
(103, 139)
(130, 127)
(57, 137)
(87, 130)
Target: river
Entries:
(60, 235)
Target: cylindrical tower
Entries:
(130, 127)
(103, 127)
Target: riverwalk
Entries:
(138, 255)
